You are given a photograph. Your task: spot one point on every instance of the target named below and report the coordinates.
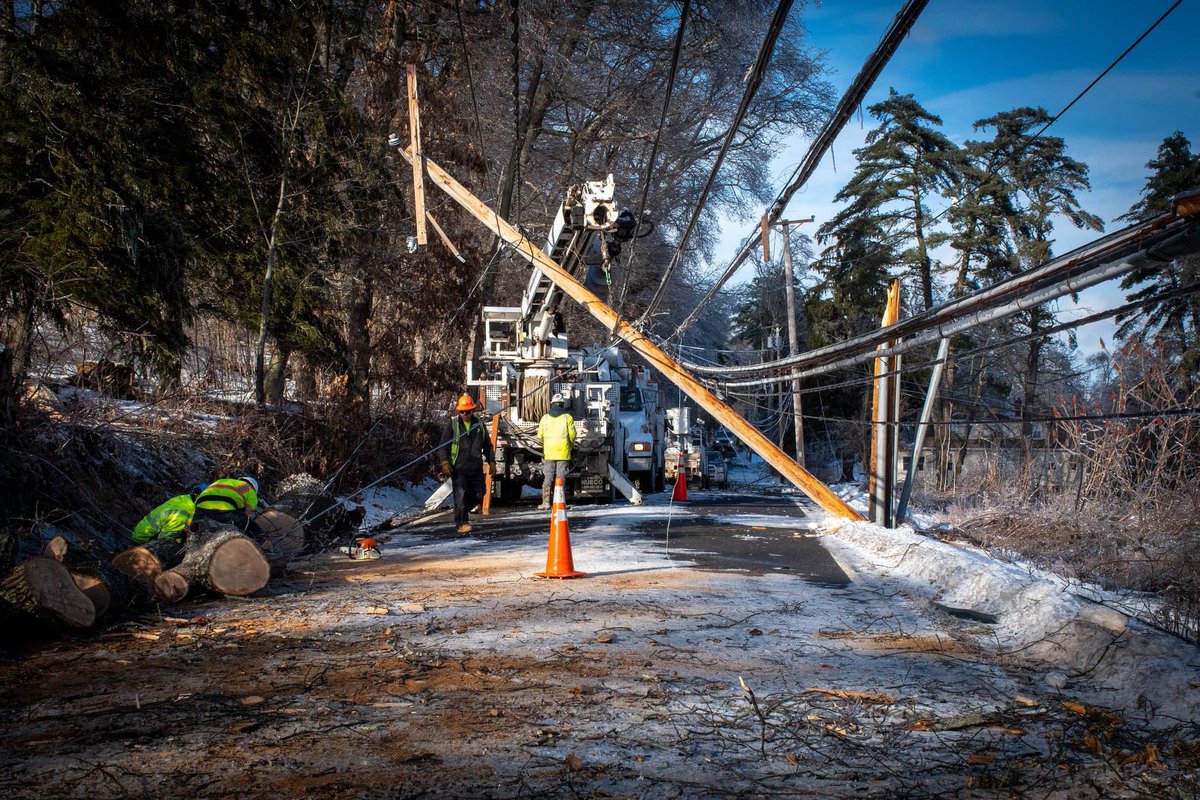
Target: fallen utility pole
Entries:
(793, 472)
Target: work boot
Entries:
(464, 528)
(545, 506)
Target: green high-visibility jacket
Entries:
(228, 494)
(168, 521)
(558, 436)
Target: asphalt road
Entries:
(715, 534)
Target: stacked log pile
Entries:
(68, 588)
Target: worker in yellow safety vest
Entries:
(171, 520)
(556, 430)
(230, 501)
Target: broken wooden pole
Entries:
(414, 141)
(885, 430)
(722, 413)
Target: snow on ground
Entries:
(1072, 629)
(384, 503)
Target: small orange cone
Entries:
(680, 492)
(558, 556)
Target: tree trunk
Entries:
(282, 539)
(306, 381)
(275, 385)
(41, 594)
(220, 559)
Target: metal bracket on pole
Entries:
(885, 431)
(935, 380)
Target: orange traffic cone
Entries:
(680, 492)
(558, 556)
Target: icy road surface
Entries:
(715, 649)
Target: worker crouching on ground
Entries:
(556, 431)
(466, 449)
(171, 520)
(230, 501)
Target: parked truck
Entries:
(526, 359)
(685, 448)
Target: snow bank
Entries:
(1040, 617)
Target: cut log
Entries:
(56, 548)
(146, 562)
(222, 560)
(281, 540)
(169, 587)
(43, 591)
(96, 591)
(123, 593)
(304, 497)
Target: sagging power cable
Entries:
(842, 113)
(754, 81)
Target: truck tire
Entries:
(510, 490)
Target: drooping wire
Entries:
(851, 100)
(990, 172)
(754, 81)
(662, 121)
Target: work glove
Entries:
(445, 472)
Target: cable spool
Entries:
(535, 396)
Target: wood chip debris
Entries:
(851, 694)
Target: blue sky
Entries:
(969, 59)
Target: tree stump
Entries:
(222, 560)
(282, 539)
(43, 595)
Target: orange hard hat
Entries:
(465, 403)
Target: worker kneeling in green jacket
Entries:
(171, 520)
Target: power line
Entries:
(991, 171)
(1170, 294)
(853, 96)
(1156, 242)
(754, 81)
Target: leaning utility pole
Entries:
(567, 283)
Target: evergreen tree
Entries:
(905, 161)
(1040, 183)
(1174, 320)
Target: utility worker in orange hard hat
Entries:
(466, 449)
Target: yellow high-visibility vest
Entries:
(228, 494)
(557, 435)
(168, 521)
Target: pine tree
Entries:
(905, 162)
(1039, 182)
(1175, 320)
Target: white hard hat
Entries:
(557, 400)
(252, 482)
